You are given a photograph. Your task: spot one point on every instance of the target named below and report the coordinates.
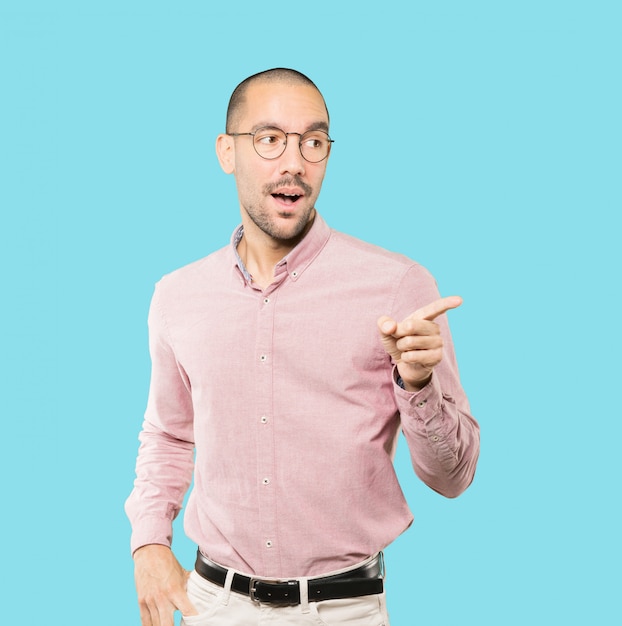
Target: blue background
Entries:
(496, 164)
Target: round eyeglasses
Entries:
(270, 143)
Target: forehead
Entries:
(292, 107)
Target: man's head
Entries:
(282, 75)
(278, 176)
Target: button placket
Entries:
(265, 445)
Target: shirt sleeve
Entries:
(442, 435)
(165, 457)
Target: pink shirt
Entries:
(290, 402)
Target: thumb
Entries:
(387, 327)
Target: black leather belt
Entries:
(362, 581)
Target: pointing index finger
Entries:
(436, 308)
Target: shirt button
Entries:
(266, 300)
(434, 438)
(421, 404)
(263, 358)
(294, 273)
(264, 419)
(266, 481)
(268, 544)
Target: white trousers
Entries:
(218, 606)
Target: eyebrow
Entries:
(313, 126)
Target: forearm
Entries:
(163, 474)
(165, 458)
(442, 436)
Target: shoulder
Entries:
(352, 250)
(194, 274)
(400, 282)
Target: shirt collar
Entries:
(297, 261)
(238, 233)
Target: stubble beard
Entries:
(282, 234)
(298, 221)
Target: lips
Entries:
(288, 199)
(288, 195)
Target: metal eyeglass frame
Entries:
(301, 135)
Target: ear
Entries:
(225, 151)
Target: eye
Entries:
(314, 141)
(269, 137)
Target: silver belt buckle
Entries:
(252, 588)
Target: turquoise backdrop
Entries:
(481, 138)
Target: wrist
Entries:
(418, 386)
(413, 387)
(415, 376)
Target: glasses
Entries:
(270, 143)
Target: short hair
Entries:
(281, 75)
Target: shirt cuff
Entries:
(151, 530)
(422, 405)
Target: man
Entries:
(288, 362)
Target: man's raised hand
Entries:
(415, 344)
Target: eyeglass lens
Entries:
(270, 144)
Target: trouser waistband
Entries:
(364, 580)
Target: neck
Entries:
(260, 252)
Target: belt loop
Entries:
(303, 586)
(226, 591)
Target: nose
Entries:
(291, 161)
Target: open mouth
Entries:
(286, 198)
